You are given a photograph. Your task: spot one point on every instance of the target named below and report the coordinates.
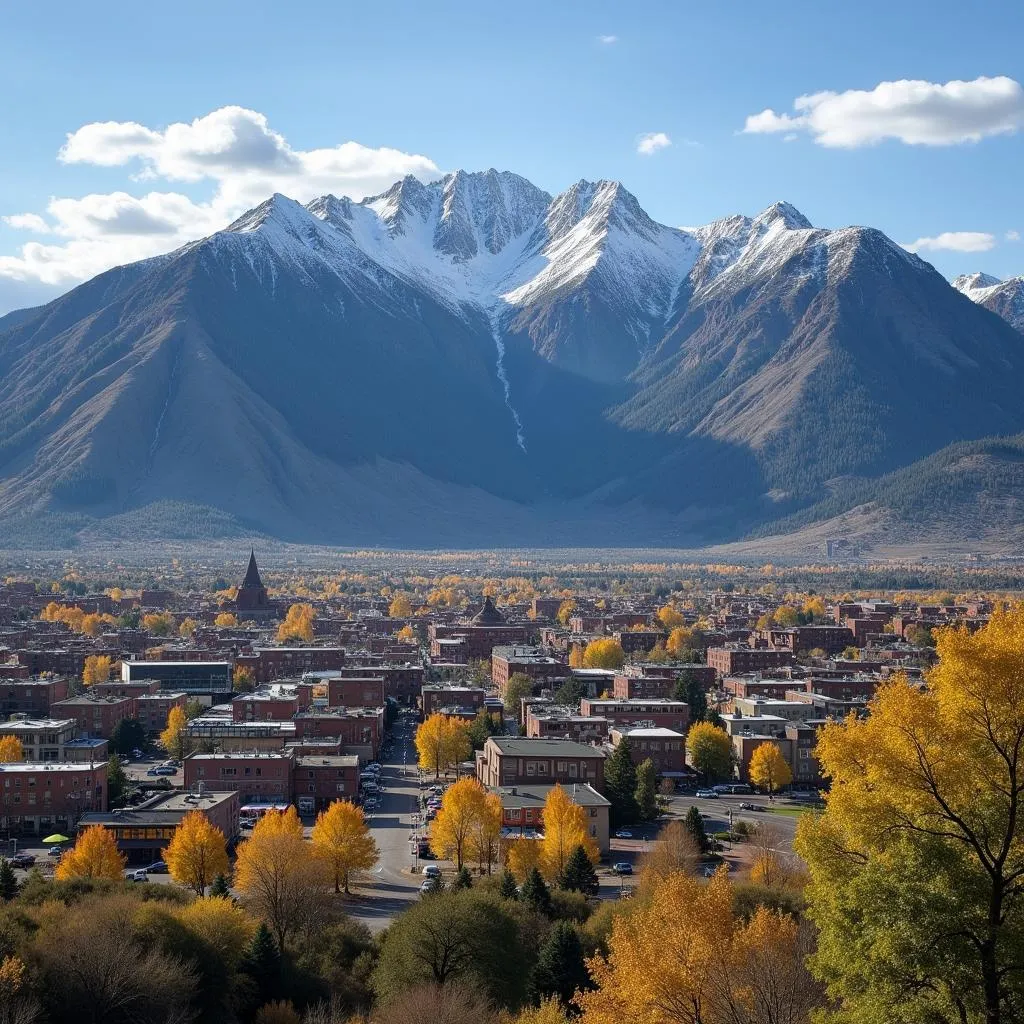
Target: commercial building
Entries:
(261, 777)
(209, 681)
(38, 799)
(509, 761)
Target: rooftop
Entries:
(517, 746)
(534, 796)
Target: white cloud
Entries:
(233, 149)
(608, 40)
(1012, 236)
(914, 112)
(651, 142)
(955, 241)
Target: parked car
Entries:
(432, 871)
(163, 769)
(23, 860)
(622, 867)
(55, 851)
(623, 833)
(706, 794)
(747, 806)
(429, 885)
(158, 867)
(137, 876)
(721, 788)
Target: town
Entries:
(336, 755)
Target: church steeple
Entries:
(252, 579)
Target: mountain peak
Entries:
(785, 212)
(278, 209)
(968, 283)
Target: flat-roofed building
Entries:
(666, 748)
(257, 776)
(38, 798)
(509, 761)
(664, 713)
(318, 780)
(209, 681)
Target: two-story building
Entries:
(509, 761)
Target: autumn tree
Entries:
(222, 925)
(278, 875)
(669, 617)
(605, 652)
(441, 742)
(174, 738)
(11, 750)
(159, 624)
(785, 616)
(917, 862)
(94, 855)
(565, 611)
(297, 624)
(710, 750)
(342, 840)
(675, 850)
(187, 627)
(452, 829)
(769, 769)
(242, 679)
(96, 669)
(196, 853)
(485, 833)
(225, 620)
(400, 607)
(565, 828)
(681, 640)
(522, 855)
(406, 635)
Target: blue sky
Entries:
(556, 90)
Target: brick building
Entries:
(665, 714)
(507, 761)
(260, 777)
(665, 747)
(485, 631)
(559, 723)
(95, 716)
(522, 810)
(33, 697)
(152, 709)
(436, 696)
(317, 781)
(735, 660)
(38, 798)
(532, 662)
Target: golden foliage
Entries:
(442, 742)
(11, 750)
(565, 610)
(565, 828)
(96, 669)
(196, 853)
(605, 652)
(769, 769)
(187, 627)
(158, 623)
(226, 620)
(400, 607)
(173, 738)
(94, 855)
(521, 856)
(550, 1011)
(406, 635)
(222, 924)
(680, 639)
(297, 625)
(463, 804)
(709, 749)
(576, 657)
(669, 617)
(342, 840)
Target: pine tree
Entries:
(8, 881)
(509, 890)
(117, 780)
(535, 892)
(220, 887)
(695, 826)
(579, 874)
(689, 689)
(646, 793)
(561, 968)
(463, 880)
(620, 785)
(263, 963)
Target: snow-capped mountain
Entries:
(472, 360)
(1006, 298)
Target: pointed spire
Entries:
(252, 574)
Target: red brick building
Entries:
(509, 761)
(485, 631)
(317, 781)
(664, 714)
(436, 696)
(530, 661)
(33, 697)
(258, 777)
(95, 716)
(41, 798)
(152, 709)
(665, 747)
(731, 661)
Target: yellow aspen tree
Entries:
(96, 669)
(452, 828)
(173, 737)
(342, 840)
(565, 828)
(485, 835)
(400, 607)
(769, 769)
(11, 750)
(196, 854)
(94, 855)
(226, 620)
(521, 856)
(604, 653)
(222, 924)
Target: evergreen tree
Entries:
(695, 826)
(463, 880)
(560, 970)
(646, 792)
(263, 964)
(688, 688)
(117, 780)
(535, 892)
(220, 887)
(508, 890)
(8, 881)
(578, 873)
(620, 785)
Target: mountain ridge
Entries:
(557, 363)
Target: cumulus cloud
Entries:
(913, 112)
(232, 150)
(651, 142)
(608, 40)
(954, 241)
(1012, 236)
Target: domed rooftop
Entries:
(488, 615)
